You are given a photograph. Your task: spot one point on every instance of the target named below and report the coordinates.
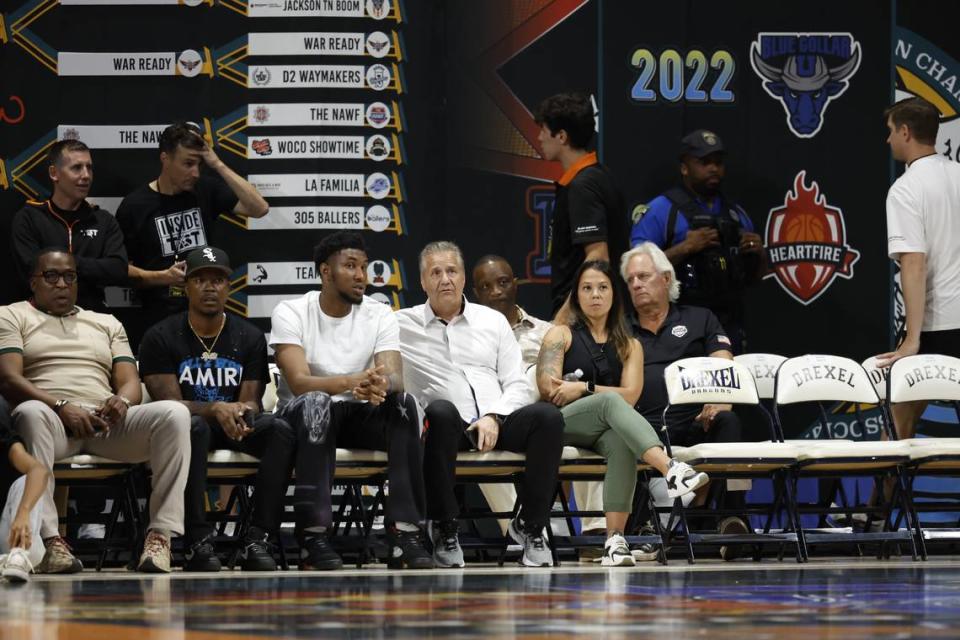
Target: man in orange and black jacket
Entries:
(68, 221)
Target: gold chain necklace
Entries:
(208, 352)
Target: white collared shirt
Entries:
(475, 350)
(529, 332)
(923, 216)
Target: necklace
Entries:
(208, 352)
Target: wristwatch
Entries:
(125, 401)
(59, 404)
(591, 387)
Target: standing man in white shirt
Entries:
(923, 225)
(464, 365)
(342, 386)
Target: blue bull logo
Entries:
(813, 69)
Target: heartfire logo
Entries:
(807, 243)
(805, 71)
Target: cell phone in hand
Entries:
(472, 434)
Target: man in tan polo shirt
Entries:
(74, 381)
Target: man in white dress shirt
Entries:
(464, 365)
(923, 225)
(342, 386)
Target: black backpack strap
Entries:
(601, 367)
(682, 203)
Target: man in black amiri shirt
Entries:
(216, 364)
(589, 220)
(164, 220)
(67, 220)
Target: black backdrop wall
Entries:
(458, 83)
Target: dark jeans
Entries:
(392, 426)
(535, 430)
(273, 441)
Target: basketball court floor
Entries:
(835, 597)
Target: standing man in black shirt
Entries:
(589, 220)
(166, 219)
(67, 220)
(669, 332)
(216, 364)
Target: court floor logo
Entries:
(805, 72)
(806, 242)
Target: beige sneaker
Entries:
(58, 558)
(156, 554)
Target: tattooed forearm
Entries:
(549, 363)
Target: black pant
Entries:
(273, 441)
(392, 426)
(726, 427)
(535, 430)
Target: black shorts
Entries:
(946, 343)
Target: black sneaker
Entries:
(257, 552)
(202, 556)
(316, 554)
(407, 550)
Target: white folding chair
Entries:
(817, 379)
(720, 381)
(929, 378)
(763, 367)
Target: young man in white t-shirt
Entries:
(923, 224)
(342, 386)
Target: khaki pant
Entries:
(158, 432)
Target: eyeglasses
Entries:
(53, 277)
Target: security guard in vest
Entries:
(709, 240)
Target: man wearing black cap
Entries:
(216, 364)
(709, 239)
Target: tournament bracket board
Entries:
(319, 128)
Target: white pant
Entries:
(14, 496)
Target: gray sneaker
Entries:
(536, 551)
(444, 536)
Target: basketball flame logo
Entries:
(807, 243)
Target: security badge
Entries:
(638, 212)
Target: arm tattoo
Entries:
(392, 368)
(550, 361)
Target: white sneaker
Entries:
(683, 479)
(16, 565)
(616, 553)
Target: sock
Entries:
(314, 531)
(406, 527)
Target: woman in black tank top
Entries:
(593, 370)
